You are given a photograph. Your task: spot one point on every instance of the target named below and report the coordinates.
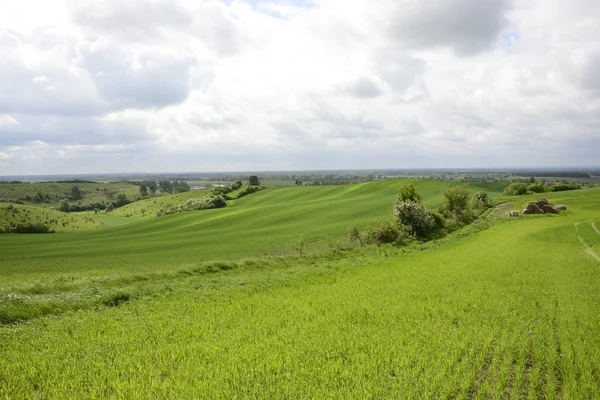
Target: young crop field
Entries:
(197, 304)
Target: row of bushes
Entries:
(204, 203)
(27, 228)
(520, 188)
(412, 221)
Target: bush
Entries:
(439, 220)
(387, 232)
(31, 228)
(536, 188)
(515, 189)
(408, 193)
(250, 189)
(481, 200)
(457, 204)
(560, 187)
(412, 215)
(204, 203)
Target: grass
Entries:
(503, 309)
(262, 223)
(92, 192)
(149, 207)
(13, 215)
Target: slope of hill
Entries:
(262, 223)
(15, 215)
(505, 312)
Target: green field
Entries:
(96, 192)
(12, 215)
(215, 304)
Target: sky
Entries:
(106, 86)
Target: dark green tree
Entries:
(76, 193)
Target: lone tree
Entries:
(457, 203)
(254, 180)
(409, 212)
(76, 193)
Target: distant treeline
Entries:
(554, 174)
(75, 181)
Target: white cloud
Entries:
(196, 85)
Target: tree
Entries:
(121, 200)
(411, 214)
(456, 202)
(76, 193)
(536, 188)
(481, 200)
(64, 205)
(253, 180)
(143, 190)
(515, 189)
(236, 185)
(408, 193)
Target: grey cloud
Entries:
(133, 21)
(56, 91)
(401, 71)
(466, 26)
(211, 25)
(129, 19)
(154, 82)
(590, 76)
(59, 130)
(364, 87)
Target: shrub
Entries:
(481, 200)
(387, 232)
(412, 215)
(250, 189)
(536, 188)
(439, 220)
(560, 187)
(31, 228)
(203, 203)
(408, 193)
(515, 189)
(354, 235)
(456, 203)
(298, 244)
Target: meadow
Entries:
(53, 192)
(215, 304)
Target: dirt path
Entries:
(496, 208)
(588, 249)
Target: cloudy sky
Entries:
(227, 85)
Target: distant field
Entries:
(13, 215)
(505, 308)
(262, 223)
(92, 192)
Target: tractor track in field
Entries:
(596, 229)
(588, 248)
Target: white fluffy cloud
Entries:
(171, 85)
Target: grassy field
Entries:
(55, 191)
(505, 308)
(13, 215)
(263, 223)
